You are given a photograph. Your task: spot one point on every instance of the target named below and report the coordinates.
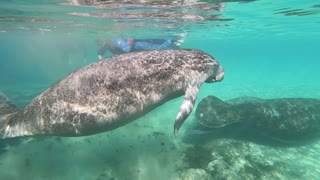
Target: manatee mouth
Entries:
(219, 76)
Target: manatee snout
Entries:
(218, 75)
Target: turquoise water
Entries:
(268, 49)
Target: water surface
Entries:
(269, 49)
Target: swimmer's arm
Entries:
(149, 46)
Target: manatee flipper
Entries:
(187, 104)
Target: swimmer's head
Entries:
(130, 41)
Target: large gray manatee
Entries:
(282, 119)
(112, 92)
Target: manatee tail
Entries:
(7, 109)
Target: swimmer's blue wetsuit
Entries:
(120, 45)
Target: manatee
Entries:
(6, 107)
(282, 118)
(112, 92)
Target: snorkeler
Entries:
(121, 45)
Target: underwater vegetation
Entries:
(197, 156)
(231, 159)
